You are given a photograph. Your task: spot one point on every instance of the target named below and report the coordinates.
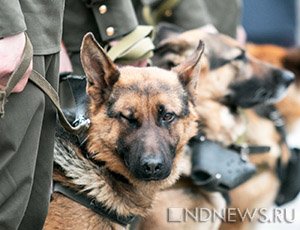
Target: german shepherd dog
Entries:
(141, 120)
(230, 79)
(289, 106)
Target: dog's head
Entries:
(230, 79)
(141, 118)
(252, 81)
(288, 58)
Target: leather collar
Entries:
(242, 149)
(92, 204)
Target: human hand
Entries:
(11, 50)
(65, 65)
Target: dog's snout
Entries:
(286, 77)
(152, 165)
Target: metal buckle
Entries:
(244, 151)
(84, 124)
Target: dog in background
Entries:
(289, 106)
(230, 79)
(141, 120)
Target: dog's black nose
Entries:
(152, 165)
(288, 77)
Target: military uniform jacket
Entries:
(40, 18)
(107, 19)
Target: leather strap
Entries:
(16, 76)
(92, 204)
(250, 149)
(242, 149)
(43, 84)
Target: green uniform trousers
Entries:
(26, 152)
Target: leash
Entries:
(43, 84)
(92, 204)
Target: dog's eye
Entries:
(169, 64)
(168, 117)
(130, 119)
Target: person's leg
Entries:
(20, 131)
(40, 195)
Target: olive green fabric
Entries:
(19, 141)
(26, 152)
(137, 45)
(191, 14)
(12, 20)
(79, 19)
(40, 18)
(225, 15)
(120, 15)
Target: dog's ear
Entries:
(101, 72)
(189, 71)
(222, 49)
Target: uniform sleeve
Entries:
(11, 18)
(114, 18)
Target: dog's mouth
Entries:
(255, 91)
(152, 177)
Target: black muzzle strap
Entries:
(92, 204)
(250, 149)
(218, 168)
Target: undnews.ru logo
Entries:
(277, 215)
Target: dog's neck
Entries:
(106, 187)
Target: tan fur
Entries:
(259, 192)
